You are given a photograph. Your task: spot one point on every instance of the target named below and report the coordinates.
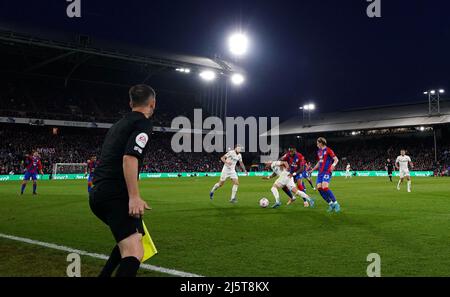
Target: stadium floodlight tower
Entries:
(308, 109)
(434, 98)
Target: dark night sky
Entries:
(328, 51)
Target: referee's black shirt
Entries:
(389, 166)
(129, 136)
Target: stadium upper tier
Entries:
(381, 117)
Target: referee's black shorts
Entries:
(110, 204)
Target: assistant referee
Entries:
(115, 197)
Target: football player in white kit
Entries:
(402, 163)
(348, 168)
(280, 169)
(230, 160)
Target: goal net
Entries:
(69, 168)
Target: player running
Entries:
(348, 168)
(401, 164)
(327, 161)
(296, 162)
(389, 168)
(280, 169)
(33, 166)
(90, 167)
(230, 160)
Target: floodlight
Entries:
(208, 75)
(238, 44)
(237, 79)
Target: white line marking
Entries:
(95, 255)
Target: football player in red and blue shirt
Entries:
(326, 162)
(91, 164)
(33, 166)
(296, 163)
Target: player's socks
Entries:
(311, 184)
(289, 193)
(128, 267)
(409, 186)
(112, 263)
(23, 188)
(234, 190)
(324, 196)
(330, 195)
(34, 188)
(276, 194)
(304, 196)
(398, 185)
(215, 187)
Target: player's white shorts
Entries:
(228, 173)
(285, 180)
(403, 173)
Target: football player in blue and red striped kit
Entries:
(296, 162)
(33, 166)
(326, 162)
(91, 165)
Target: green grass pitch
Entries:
(410, 231)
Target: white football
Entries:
(264, 202)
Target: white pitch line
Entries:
(95, 255)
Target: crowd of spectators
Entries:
(372, 154)
(76, 145)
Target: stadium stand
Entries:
(77, 145)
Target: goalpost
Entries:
(69, 168)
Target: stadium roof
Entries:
(380, 117)
(140, 55)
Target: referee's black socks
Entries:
(112, 263)
(128, 267)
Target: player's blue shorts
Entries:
(90, 177)
(323, 178)
(30, 175)
(306, 174)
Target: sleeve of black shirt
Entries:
(138, 141)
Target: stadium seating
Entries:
(73, 145)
